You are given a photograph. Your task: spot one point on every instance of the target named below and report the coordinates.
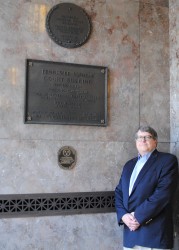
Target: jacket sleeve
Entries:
(163, 192)
(120, 210)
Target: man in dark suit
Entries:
(144, 195)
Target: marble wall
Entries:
(174, 93)
(130, 37)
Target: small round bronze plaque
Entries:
(67, 157)
(68, 25)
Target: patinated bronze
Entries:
(63, 93)
(68, 25)
(67, 157)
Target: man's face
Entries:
(145, 142)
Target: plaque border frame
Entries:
(103, 69)
(53, 36)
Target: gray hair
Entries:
(149, 130)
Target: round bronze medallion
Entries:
(68, 25)
(67, 157)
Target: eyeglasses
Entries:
(145, 138)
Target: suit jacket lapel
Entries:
(127, 181)
(129, 173)
(145, 168)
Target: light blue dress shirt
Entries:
(139, 165)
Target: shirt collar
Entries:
(146, 156)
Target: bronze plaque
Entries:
(67, 157)
(64, 93)
(68, 25)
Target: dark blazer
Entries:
(151, 201)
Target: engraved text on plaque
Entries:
(62, 93)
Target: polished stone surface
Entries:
(85, 232)
(154, 69)
(174, 94)
(129, 38)
(164, 3)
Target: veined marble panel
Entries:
(154, 69)
(164, 3)
(28, 153)
(174, 75)
(61, 233)
(114, 43)
(174, 95)
(36, 169)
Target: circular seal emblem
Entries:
(68, 25)
(67, 157)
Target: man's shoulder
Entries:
(164, 155)
(132, 161)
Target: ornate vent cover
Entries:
(23, 205)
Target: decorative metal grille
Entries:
(24, 205)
